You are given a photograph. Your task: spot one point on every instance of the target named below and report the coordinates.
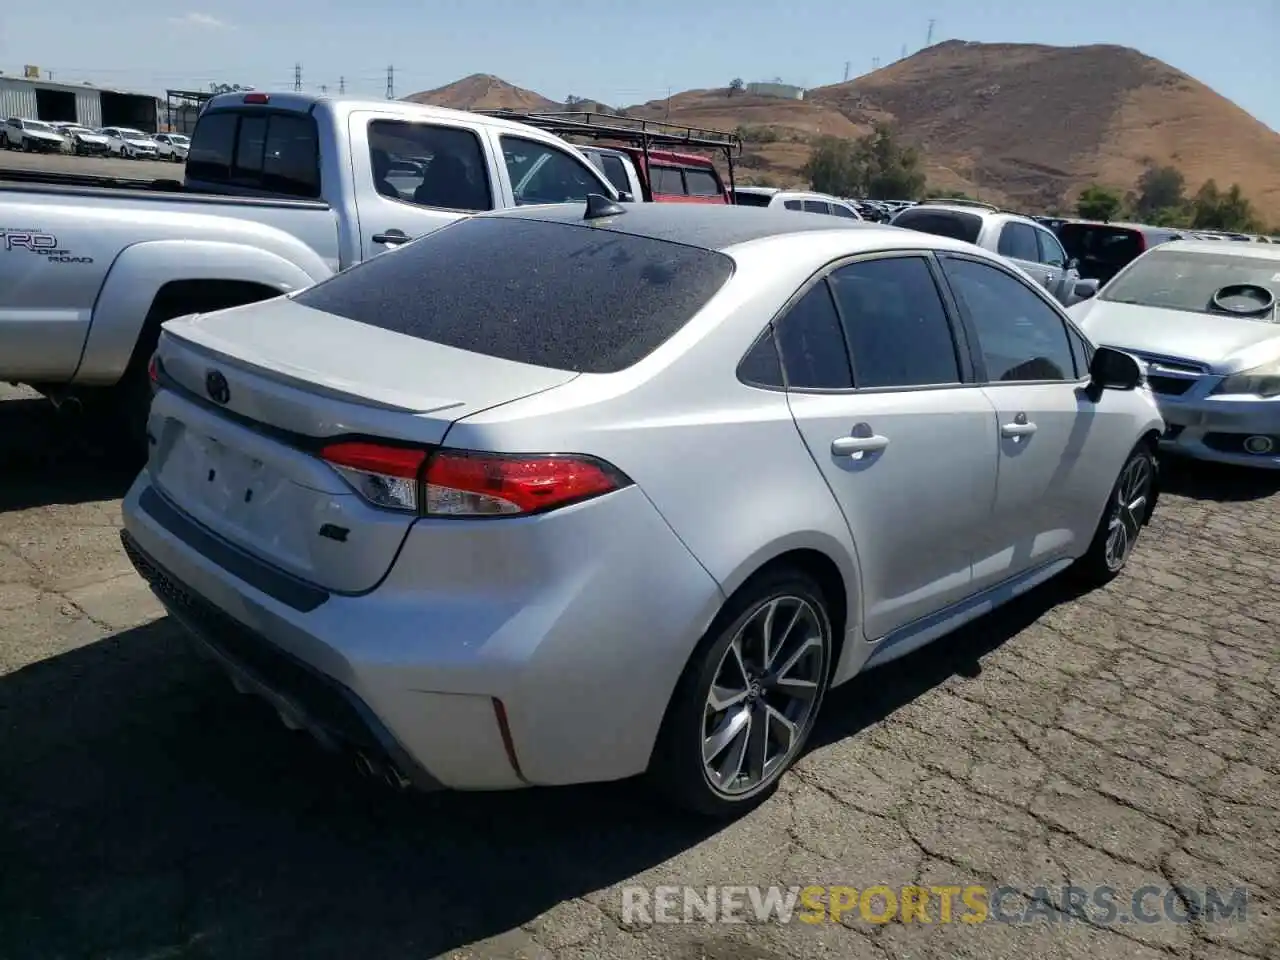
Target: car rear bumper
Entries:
(1223, 429)
(548, 676)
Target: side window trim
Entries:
(981, 376)
(960, 341)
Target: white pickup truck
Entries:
(280, 191)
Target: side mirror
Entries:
(1113, 370)
(625, 196)
(1086, 289)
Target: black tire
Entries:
(677, 769)
(1103, 562)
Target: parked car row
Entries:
(19, 133)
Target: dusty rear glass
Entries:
(942, 223)
(558, 295)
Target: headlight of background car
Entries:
(1261, 381)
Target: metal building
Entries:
(76, 102)
(786, 91)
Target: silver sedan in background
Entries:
(1203, 317)
(560, 495)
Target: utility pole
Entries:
(391, 83)
(928, 41)
(668, 115)
(846, 71)
(342, 84)
(297, 78)
(875, 63)
(904, 52)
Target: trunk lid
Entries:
(262, 387)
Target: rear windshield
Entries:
(744, 199)
(942, 223)
(274, 152)
(551, 294)
(1098, 243)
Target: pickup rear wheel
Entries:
(123, 409)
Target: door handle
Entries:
(851, 446)
(1017, 429)
(392, 237)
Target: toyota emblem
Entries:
(216, 386)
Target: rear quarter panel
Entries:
(722, 462)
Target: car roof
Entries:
(1255, 251)
(720, 227)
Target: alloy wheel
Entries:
(763, 695)
(1133, 493)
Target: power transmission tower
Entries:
(928, 42)
(391, 83)
(342, 84)
(846, 71)
(297, 78)
(875, 63)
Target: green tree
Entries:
(1098, 203)
(832, 167)
(874, 166)
(1212, 209)
(216, 88)
(736, 86)
(889, 170)
(1160, 190)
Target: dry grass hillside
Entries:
(1023, 124)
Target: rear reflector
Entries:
(464, 483)
(385, 476)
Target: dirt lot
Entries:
(1129, 737)
(102, 166)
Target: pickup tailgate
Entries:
(254, 392)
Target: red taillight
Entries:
(256, 98)
(153, 370)
(461, 483)
(464, 483)
(385, 476)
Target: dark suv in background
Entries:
(1104, 249)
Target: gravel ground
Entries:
(1129, 737)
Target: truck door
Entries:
(412, 177)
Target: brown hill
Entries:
(484, 91)
(1017, 123)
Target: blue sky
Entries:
(620, 53)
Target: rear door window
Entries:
(429, 165)
(557, 295)
(1051, 252)
(701, 183)
(817, 206)
(897, 327)
(745, 198)
(840, 210)
(272, 152)
(942, 223)
(792, 204)
(812, 345)
(666, 180)
(1018, 242)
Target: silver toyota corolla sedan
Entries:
(576, 493)
(1202, 315)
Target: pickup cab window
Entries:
(429, 165)
(542, 174)
(665, 180)
(273, 152)
(701, 183)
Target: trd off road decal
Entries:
(40, 243)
